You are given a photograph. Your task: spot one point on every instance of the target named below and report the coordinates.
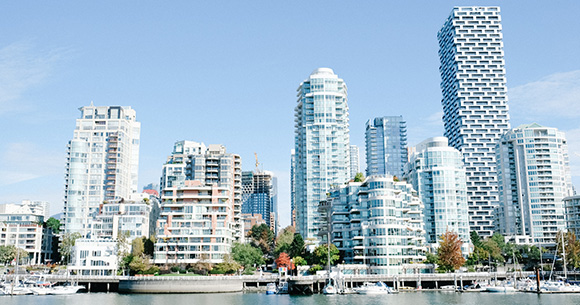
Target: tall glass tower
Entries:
(475, 104)
(386, 141)
(321, 146)
(436, 172)
(102, 163)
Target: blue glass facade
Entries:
(386, 141)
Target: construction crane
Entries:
(257, 163)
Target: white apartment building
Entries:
(94, 257)
(135, 217)
(475, 103)
(534, 178)
(102, 163)
(354, 161)
(378, 223)
(322, 146)
(21, 225)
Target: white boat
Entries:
(448, 288)
(477, 287)
(271, 288)
(40, 287)
(501, 288)
(330, 287)
(17, 290)
(559, 286)
(67, 289)
(374, 288)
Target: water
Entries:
(415, 298)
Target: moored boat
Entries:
(374, 288)
(271, 288)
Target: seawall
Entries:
(218, 284)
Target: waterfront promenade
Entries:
(312, 284)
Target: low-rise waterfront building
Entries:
(94, 257)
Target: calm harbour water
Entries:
(419, 298)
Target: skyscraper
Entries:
(475, 104)
(354, 161)
(293, 188)
(321, 145)
(102, 163)
(386, 141)
(437, 173)
(259, 196)
(534, 178)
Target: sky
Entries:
(226, 72)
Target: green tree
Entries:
(141, 265)
(262, 237)
(500, 241)
(299, 261)
(54, 224)
(431, 259)
(320, 255)
(297, 247)
(9, 253)
(359, 177)
(475, 239)
(67, 244)
(284, 240)
(227, 266)
(137, 247)
(449, 252)
(149, 245)
(247, 256)
(493, 250)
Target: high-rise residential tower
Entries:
(293, 188)
(437, 173)
(475, 104)
(201, 208)
(534, 178)
(386, 141)
(102, 163)
(322, 145)
(354, 161)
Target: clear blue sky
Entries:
(226, 72)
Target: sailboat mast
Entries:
(564, 256)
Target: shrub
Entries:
(314, 268)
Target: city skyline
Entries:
(48, 74)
